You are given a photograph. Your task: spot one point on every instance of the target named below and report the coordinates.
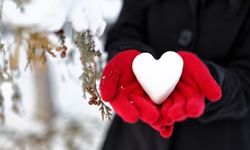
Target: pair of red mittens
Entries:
(121, 89)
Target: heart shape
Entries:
(158, 78)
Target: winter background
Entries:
(71, 108)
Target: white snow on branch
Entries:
(51, 15)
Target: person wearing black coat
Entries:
(218, 32)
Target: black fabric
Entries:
(220, 36)
(131, 137)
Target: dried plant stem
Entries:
(38, 45)
(2, 116)
(2, 79)
(14, 58)
(86, 46)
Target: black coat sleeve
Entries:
(129, 30)
(234, 79)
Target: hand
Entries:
(188, 97)
(120, 87)
(165, 130)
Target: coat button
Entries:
(185, 37)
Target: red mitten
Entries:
(120, 87)
(165, 130)
(188, 98)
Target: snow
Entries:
(111, 9)
(49, 16)
(156, 81)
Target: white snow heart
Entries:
(158, 78)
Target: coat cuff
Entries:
(216, 71)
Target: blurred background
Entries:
(53, 114)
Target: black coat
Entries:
(220, 35)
